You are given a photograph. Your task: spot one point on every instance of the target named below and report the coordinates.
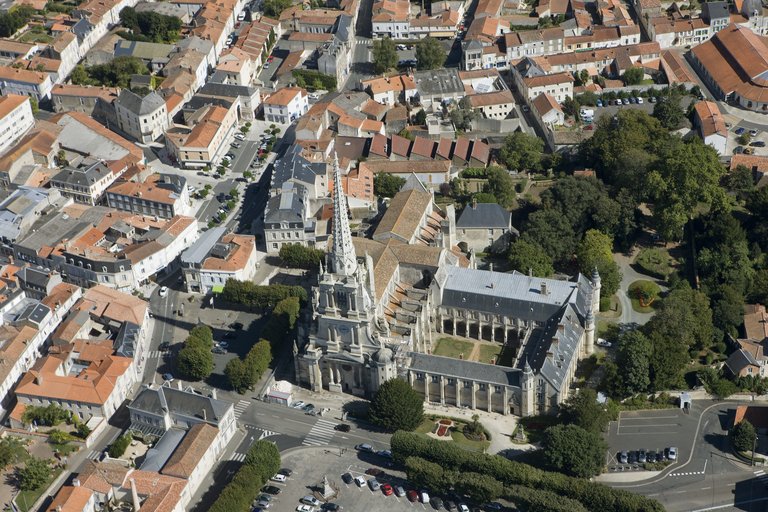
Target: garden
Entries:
(470, 435)
(656, 262)
(454, 348)
(644, 294)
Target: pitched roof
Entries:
(404, 214)
(484, 215)
(544, 103)
(190, 451)
(711, 121)
(138, 105)
(284, 96)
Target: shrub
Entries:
(261, 462)
(117, 449)
(252, 295)
(49, 416)
(299, 256)
(312, 78)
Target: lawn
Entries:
(35, 37)
(452, 347)
(457, 435)
(25, 499)
(648, 308)
(656, 262)
(488, 352)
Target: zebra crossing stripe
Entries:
(267, 433)
(321, 433)
(759, 472)
(238, 457)
(94, 455)
(241, 406)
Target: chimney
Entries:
(178, 385)
(205, 415)
(135, 496)
(76, 482)
(490, 268)
(561, 328)
(39, 379)
(214, 394)
(474, 203)
(544, 288)
(555, 342)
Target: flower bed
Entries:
(446, 422)
(442, 431)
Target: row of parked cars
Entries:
(398, 490)
(642, 456)
(625, 101)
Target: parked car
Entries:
(240, 136)
(651, 456)
(286, 471)
(622, 457)
(364, 447)
(305, 508)
(671, 453)
(342, 427)
(603, 343)
(450, 505)
(386, 454)
(331, 507)
(660, 456)
(632, 457)
(310, 500)
(639, 101)
(218, 350)
(753, 133)
(387, 490)
(347, 478)
(360, 480)
(230, 156)
(279, 478)
(463, 508)
(436, 503)
(167, 377)
(271, 489)
(652, 99)
(235, 144)
(599, 103)
(297, 405)
(739, 130)
(757, 144)
(412, 495)
(163, 291)
(641, 456)
(424, 496)
(165, 345)
(399, 491)
(626, 101)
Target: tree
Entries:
(273, 8)
(386, 184)
(257, 361)
(12, 449)
(478, 487)
(595, 251)
(743, 436)
(633, 76)
(34, 474)
(740, 181)
(384, 55)
(462, 119)
(583, 410)
(644, 291)
(549, 229)
(237, 375)
(669, 112)
(430, 54)
(396, 406)
(727, 309)
(522, 152)
(574, 451)
(634, 352)
(502, 187)
(525, 257)
(420, 118)
(299, 256)
(195, 362)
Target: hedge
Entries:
(260, 464)
(258, 296)
(313, 79)
(592, 495)
(117, 449)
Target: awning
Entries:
(218, 288)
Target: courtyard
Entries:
(473, 350)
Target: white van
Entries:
(424, 497)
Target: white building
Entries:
(286, 105)
(23, 82)
(217, 257)
(145, 119)
(15, 119)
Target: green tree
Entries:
(743, 436)
(669, 112)
(299, 256)
(478, 487)
(501, 185)
(634, 352)
(34, 474)
(740, 181)
(425, 474)
(550, 229)
(257, 361)
(574, 451)
(644, 291)
(384, 55)
(430, 54)
(386, 184)
(80, 76)
(195, 363)
(420, 118)
(727, 309)
(396, 406)
(633, 76)
(12, 450)
(462, 119)
(596, 251)
(273, 8)
(583, 409)
(237, 375)
(522, 152)
(525, 256)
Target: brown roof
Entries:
(423, 147)
(481, 151)
(737, 60)
(284, 96)
(491, 98)
(408, 166)
(710, 119)
(374, 109)
(756, 415)
(444, 148)
(188, 453)
(243, 247)
(544, 103)
(22, 75)
(553, 79)
(461, 149)
(488, 8)
(86, 91)
(674, 67)
(755, 322)
(148, 190)
(115, 305)
(39, 141)
(379, 145)
(11, 102)
(399, 145)
(752, 162)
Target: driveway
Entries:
(629, 276)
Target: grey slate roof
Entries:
(138, 105)
(463, 369)
(344, 27)
(515, 295)
(184, 404)
(439, 81)
(142, 50)
(294, 166)
(740, 360)
(159, 454)
(34, 277)
(715, 10)
(484, 215)
(34, 313)
(127, 339)
(82, 176)
(288, 206)
(226, 90)
(196, 253)
(528, 68)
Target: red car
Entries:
(413, 496)
(270, 59)
(387, 489)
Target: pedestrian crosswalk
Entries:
(362, 41)
(238, 457)
(760, 475)
(94, 455)
(321, 433)
(154, 354)
(240, 407)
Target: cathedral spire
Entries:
(343, 254)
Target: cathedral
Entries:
(379, 304)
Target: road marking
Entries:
(705, 488)
(657, 425)
(241, 406)
(645, 433)
(320, 434)
(238, 457)
(267, 433)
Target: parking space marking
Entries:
(645, 433)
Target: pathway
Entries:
(629, 276)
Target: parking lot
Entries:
(311, 465)
(650, 431)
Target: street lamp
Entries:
(754, 444)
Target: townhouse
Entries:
(161, 195)
(23, 82)
(144, 119)
(15, 119)
(85, 183)
(206, 140)
(286, 105)
(710, 125)
(216, 257)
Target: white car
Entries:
(305, 508)
(360, 480)
(163, 291)
(310, 500)
(463, 508)
(604, 343)
(279, 478)
(672, 453)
